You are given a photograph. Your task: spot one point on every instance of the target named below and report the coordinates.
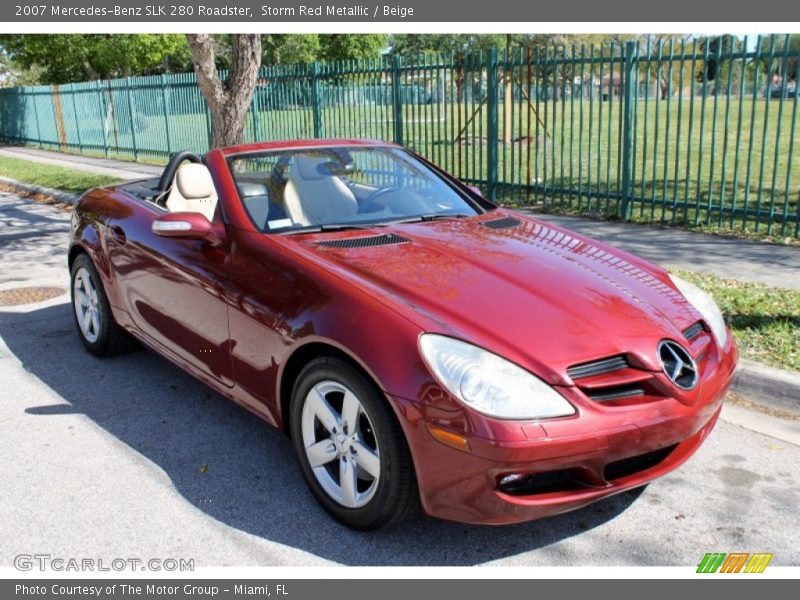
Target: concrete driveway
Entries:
(130, 457)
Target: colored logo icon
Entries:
(735, 562)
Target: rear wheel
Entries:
(92, 312)
(351, 448)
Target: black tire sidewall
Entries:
(388, 500)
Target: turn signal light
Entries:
(448, 438)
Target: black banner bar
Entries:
(472, 11)
(333, 589)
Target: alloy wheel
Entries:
(86, 303)
(340, 444)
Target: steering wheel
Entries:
(276, 176)
(175, 161)
(366, 206)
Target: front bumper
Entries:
(600, 452)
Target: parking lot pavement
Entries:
(130, 457)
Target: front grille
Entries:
(636, 464)
(692, 332)
(620, 393)
(615, 382)
(365, 242)
(598, 367)
(502, 223)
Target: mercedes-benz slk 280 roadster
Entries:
(419, 345)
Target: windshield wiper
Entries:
(434, 217)
(332, 227)
(438, 216)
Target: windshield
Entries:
(314, 189)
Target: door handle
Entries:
(118, 234)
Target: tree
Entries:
(413, 44)
(12, 74)
(227, 100)
(290, 48)
(778, 67)
(717, 73)
(352, 46)
(65, 58)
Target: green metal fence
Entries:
(680, 132)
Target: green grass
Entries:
(52, 176)
(765, 320)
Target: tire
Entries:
(373, 455)
(103, 336)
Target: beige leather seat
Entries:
(312, 196)
(193, 191)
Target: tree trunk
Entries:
(227, 101)
(664, 86)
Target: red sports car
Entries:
(418, 344)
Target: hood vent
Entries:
(502, 223)
(598, 367)
(365, 242)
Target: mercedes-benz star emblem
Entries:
(677, 364)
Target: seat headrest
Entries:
(248, 189)
(194, 181)
(308, 167)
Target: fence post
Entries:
(397, 100)
(492, 138)
(77, 117)
(256, 110)
(36, 116)
(102, 106)
(166, 98)
(130, 112)
(627, 133)
(316, 99)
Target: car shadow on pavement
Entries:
(235, 468)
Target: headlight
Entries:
(705, 305)
(490, 384)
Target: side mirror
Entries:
(187, 225)
(475, 190)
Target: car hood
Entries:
(540, 295)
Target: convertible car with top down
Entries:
(420, 346)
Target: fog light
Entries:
(511, 478)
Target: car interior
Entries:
(300, 189)
(192, 191)
(308, 188)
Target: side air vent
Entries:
(598, 367)
(365, 242)
(502, 223)
(692, 332)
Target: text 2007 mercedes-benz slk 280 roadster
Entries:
(419, 345)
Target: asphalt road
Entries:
(130, 457)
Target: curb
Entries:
(37, 192)
(768, 385)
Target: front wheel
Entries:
(351, 448)
(92, 312)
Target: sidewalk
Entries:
(101, 166)
(771, 264)
(733, 258)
